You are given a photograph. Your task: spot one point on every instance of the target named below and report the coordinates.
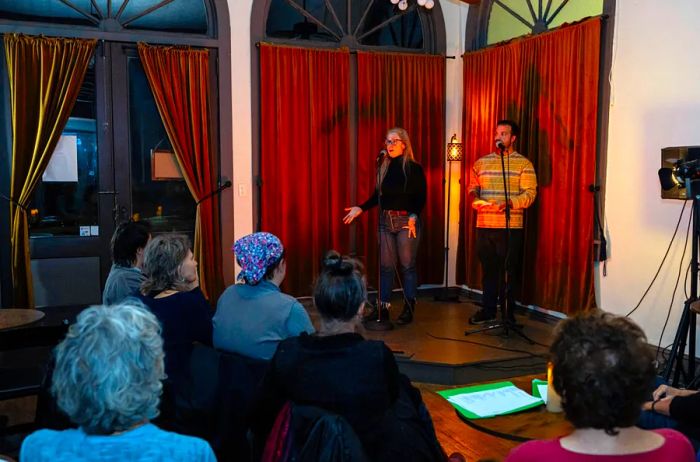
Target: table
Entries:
(16, 317)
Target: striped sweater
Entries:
(486, 183)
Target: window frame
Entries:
(217, 39)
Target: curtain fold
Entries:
(45, 76)
(305, 155)
(179, 80)
(403, 90)
(549, 85)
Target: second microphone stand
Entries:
(507, 323)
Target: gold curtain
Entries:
(45, 77)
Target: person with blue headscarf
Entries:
(253, 316)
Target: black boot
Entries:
(370, 313)
(406, 316)
(379, 319)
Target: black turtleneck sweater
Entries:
(399, 192)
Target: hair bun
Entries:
(335, 264)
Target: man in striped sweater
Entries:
(489, 200)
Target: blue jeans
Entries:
(394, 242)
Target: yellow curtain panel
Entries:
(45, 76)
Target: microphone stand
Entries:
(380, 324)
(507, 321)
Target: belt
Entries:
(396, 213)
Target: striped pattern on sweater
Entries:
(486, 182)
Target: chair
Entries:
(304, 433)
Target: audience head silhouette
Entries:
(259, 255)
(109, 368)
(167, 263)
(127, 239)
(340, 289)
(603, 368)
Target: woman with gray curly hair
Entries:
(171, 291)
(108, 381)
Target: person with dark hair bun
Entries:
(341, 372)
(125, 277)
(602, 369)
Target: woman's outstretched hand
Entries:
(353, 212)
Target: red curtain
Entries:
(549, 84)
(179, 79)
(305, 155)
(403, 90)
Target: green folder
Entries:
(535, 389)
(487, 386)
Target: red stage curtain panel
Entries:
(549, 85)
(179, 79)
(305, 155)
(403, 90)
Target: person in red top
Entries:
(602, 369)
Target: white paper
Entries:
(494, 402)
(542, 388)
(84, 231)
(94, 230)
(63, 165)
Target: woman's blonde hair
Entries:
(407, 156)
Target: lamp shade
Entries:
(454, 150)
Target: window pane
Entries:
(405, 31)
(177, 16)
(167, 204)
(65, 201)
(284, 21)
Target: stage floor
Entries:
(434, 349)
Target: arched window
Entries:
(119, 157)
(510, 19)
(357, 24)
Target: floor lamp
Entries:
(454, 154)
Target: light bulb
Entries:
(403, 4)
(421, 2)
(429, 4)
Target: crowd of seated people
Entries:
(109, 370)
(603, 369)
(107, 380)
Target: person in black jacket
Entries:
(400, 194)
(339, 371)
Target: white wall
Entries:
(655, 103)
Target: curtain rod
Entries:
(352, 52)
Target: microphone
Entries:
(500, 145)
(381, 155)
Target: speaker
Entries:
(672, 156)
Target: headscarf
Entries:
(255, 253)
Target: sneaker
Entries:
(483, 316)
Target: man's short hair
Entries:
(514, 128)
(127, 239)
(603, 369)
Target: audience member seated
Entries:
(339, 371)
(172, 293)
(603, 368)
(673, 408)
(108, 381)
(125, 277)
(253, 317)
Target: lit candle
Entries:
(553, 399)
